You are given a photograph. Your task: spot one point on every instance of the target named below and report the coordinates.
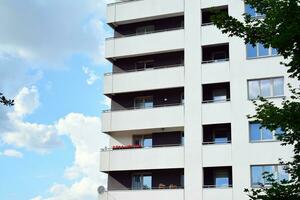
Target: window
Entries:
(220, 55)
(221, 178)
(143, 102)
(143, 65)
(252, 12)
(262, 134)
(145, 29)
(272, 87)
(219, 95)
(143, 140)
(141, 181)
(258, 172)
(220, 135)
(260, 51)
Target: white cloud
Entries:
(92, 76)
(37, 34)
(11, 153)
(26, 101)
(84, 132)
(22, 134)
(51, 30)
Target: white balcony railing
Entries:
(147, 118)
(123, 11)
(165, 77)
(166, 156)
(216, 112)
(172, 40)
(161, 194)
(216, 193)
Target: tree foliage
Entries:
(279, 28)
(5, 101)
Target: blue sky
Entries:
(51, 63)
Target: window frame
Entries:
(270, 52)
(141, 175)
(271, 90)
(274, 133)
(144, 101)
(257, 15)
(144, 29)
(226, 175)
(144, 63)
(141, 139)
(275, 173)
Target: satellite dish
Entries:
(101, 189)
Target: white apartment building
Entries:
(181, 92)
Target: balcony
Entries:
(169, 77)
(145, 110)
(170, 40)
(217, 177)
(124, 11)
(146, 180)
(217, 134)
(215, 53)
(139, 72)
(210, 33)
(166, 156)
(216, 103)
(134, 119)
(166, 194)
(207, 13)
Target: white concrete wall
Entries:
(216, 112)
(147, 9)
(217, 72)
(142, 159)
(172, 194)
(212, 35)
(215, 3)
(143, 119)
(145, 44)
(193, 106)
(144, 80)
(217, 155)
(217, 193)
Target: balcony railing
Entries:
(215, 61)
(139, 108)
(145, 33)
(207, 24)
(162, 187)
(129, 147)
(213, 142)
(145, 69)
(217, 186)
(215, 101)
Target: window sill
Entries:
(259, 57)
(214, 143)
(263, 141)
(275, 97)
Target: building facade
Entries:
(180, 94)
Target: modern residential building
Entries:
(180, 94)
